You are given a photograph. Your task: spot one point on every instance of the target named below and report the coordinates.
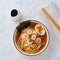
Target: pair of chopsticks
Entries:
(51, 19)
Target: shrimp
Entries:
(38, 40)
(29, 32)
(33, 37)
(34, 33)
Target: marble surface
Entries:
(7, 26)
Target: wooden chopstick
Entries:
(51, 19)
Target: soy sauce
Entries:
(14, 13)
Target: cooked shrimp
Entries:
(29, 32)
(34, 32)
(38, 40)
(33, 37)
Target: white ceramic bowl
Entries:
(14, 40)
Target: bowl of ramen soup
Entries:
(31, 37)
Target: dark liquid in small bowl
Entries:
(14, 13)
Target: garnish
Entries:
(22, 25)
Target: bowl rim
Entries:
(47, 43)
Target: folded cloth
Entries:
(47, 20)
